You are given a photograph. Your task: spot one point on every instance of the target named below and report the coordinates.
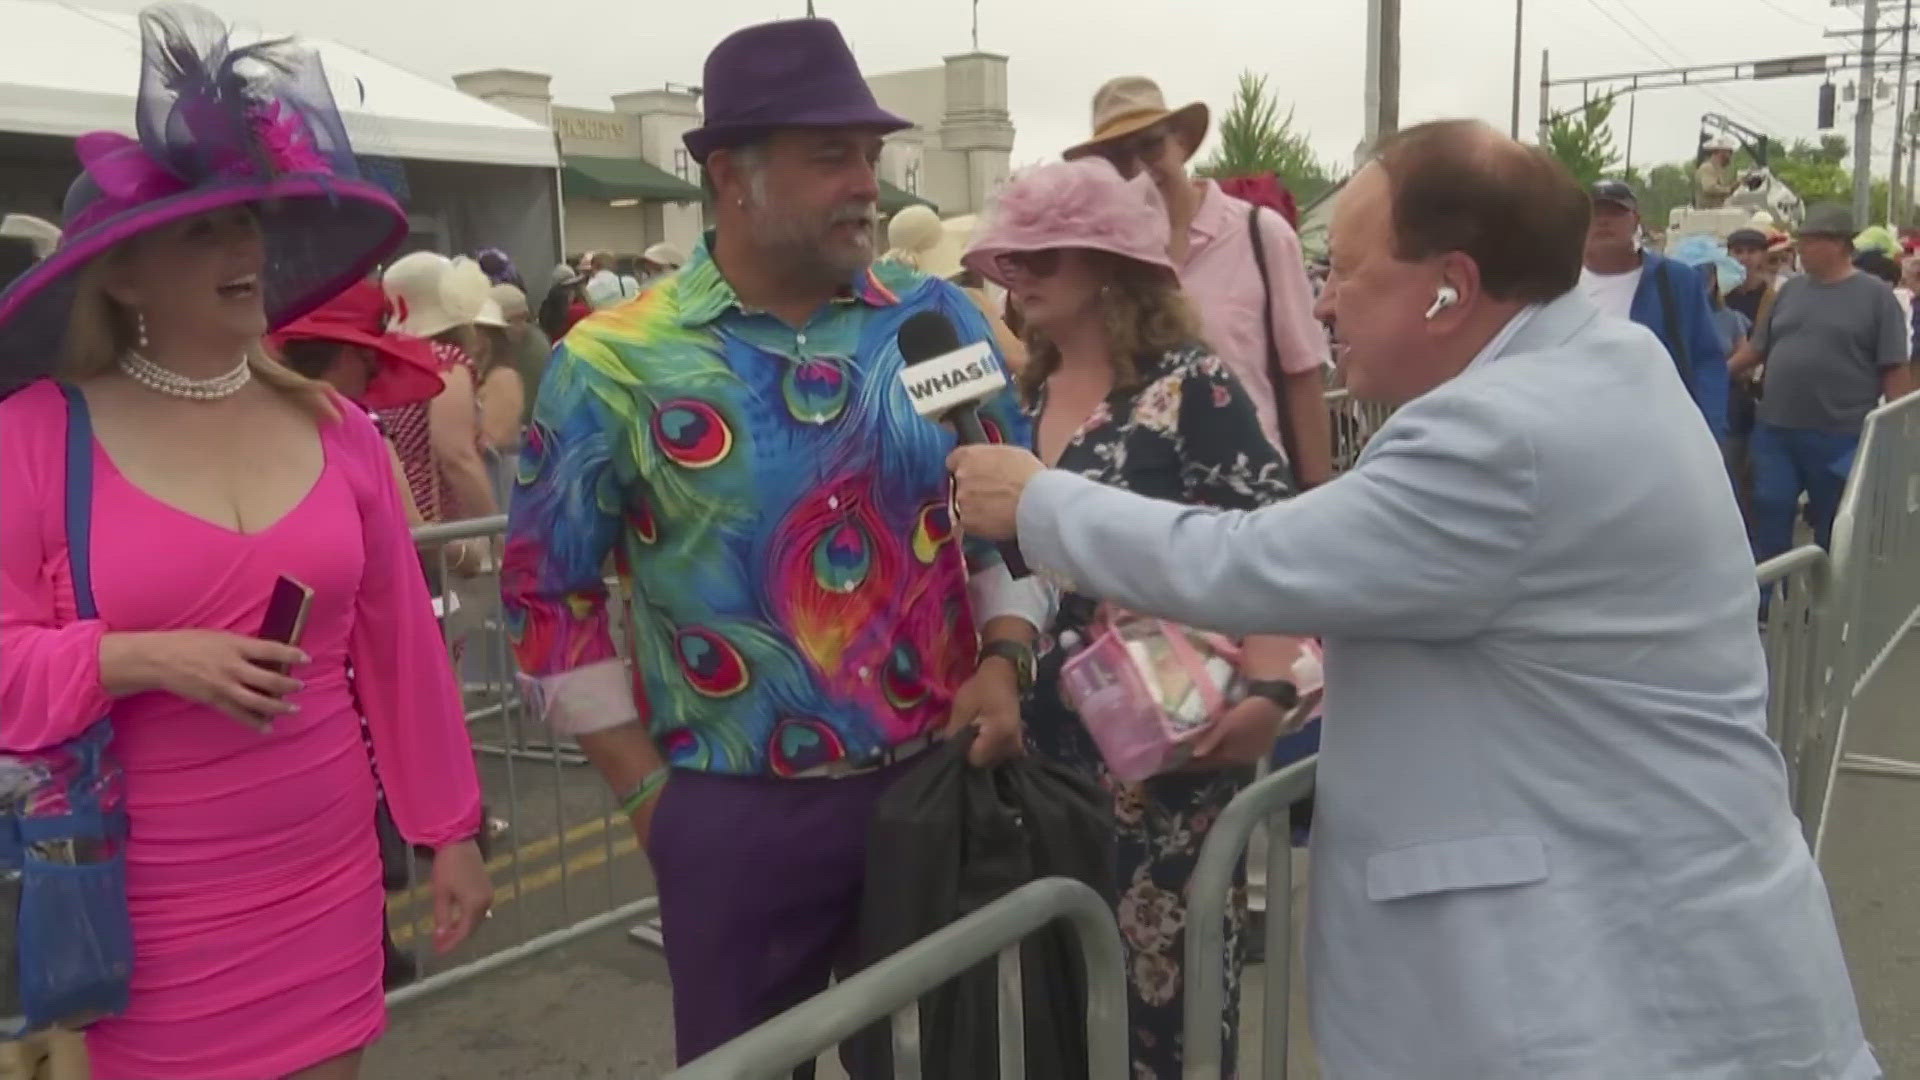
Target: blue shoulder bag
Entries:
(63, 829)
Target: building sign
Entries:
(589, 127)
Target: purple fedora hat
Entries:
(793, 73)
(218, 126)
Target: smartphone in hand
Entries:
(286, 615)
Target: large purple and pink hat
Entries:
(218, 126)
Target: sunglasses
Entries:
(1033, 264)
(1140, 146)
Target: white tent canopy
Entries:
(66, 70)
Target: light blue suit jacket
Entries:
(1553, 840)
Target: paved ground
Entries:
(599, 1008)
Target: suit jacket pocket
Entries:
(1478, 862)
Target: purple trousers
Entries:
(759, 882)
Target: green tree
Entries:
(1817, 171)
(1582, 140)
(1661, 189)
(1255, 138)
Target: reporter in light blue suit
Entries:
(1553, 841)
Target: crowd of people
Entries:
(1784, 343)
(1551, 837)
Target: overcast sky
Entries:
(1457, 54)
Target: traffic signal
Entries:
(1825, 121)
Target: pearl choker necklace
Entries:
(166, 381)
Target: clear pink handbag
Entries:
(1146, 689)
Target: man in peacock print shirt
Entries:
(803, 618)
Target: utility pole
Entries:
(1383, 71)
(1633, 113)
(1546, 111)
(1899, 119)
(1863, 117)
(1513, 126)
(1913, 155)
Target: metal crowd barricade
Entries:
(1264, 801)
(1797, 589)
(1353, 423)
(562, 855)
(894, 986)
(1876, 570)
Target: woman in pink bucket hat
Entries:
(1123, 391)
(238, 892)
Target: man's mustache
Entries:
(856, 214)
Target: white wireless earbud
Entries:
(1443, 298)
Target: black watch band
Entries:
(1019, 655)
(1279, 691)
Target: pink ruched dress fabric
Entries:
(252, 870)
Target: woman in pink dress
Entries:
(253, 878)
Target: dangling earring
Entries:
(140, 330)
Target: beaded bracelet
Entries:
(645, 790)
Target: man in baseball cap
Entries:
(1755, 251)
(1753, 296)
(1667, 298)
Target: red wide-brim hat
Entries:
(218, 127)
(408, 372)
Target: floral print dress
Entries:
(1186, 432)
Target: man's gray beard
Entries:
(792, 253)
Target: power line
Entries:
(1801, 19)
(1736, 110)
(1751, 117)
(84, 13)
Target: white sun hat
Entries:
(432, 294)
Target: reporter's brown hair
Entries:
(1458, 185)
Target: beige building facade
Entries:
(961, 144)
(628, 181)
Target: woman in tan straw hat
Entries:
(1242, 268)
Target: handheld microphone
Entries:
(947, 381)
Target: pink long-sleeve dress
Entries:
(252, 870)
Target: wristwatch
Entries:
(1017, 654)
(1279, 691)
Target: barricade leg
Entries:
(1876, 582)
(894, 986)
(1265, 800)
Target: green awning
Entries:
(607, 179)
(893, 200)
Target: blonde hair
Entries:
(465, 337)
(1145, 315)
(100, 329)
(496, 349)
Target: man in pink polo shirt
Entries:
(1213, 245)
